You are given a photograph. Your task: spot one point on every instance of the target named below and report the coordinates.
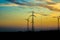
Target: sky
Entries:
(14, 13)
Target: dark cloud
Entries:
(50, 7)
(14, 1)
(51, 3)
(37, 4)
(23, 3)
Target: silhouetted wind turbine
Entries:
(45, 15)
(41, 14)
(27, 24)
(33, 20)
(58, 18)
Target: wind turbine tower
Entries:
(58, 19)
(33, 20)
(27, 24)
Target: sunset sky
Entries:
(12, 14)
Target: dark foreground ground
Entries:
(21, 30)
(37, 31)
(42, 31)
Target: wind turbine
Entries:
(58, 19)
(41, 16)
(27, 24)
(45, 15)
(33, 20)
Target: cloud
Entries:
(47, 1)
(55, 7)
(8, 5)
(50, 4)
(15, 5)
(22, 2)
(14, 1)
